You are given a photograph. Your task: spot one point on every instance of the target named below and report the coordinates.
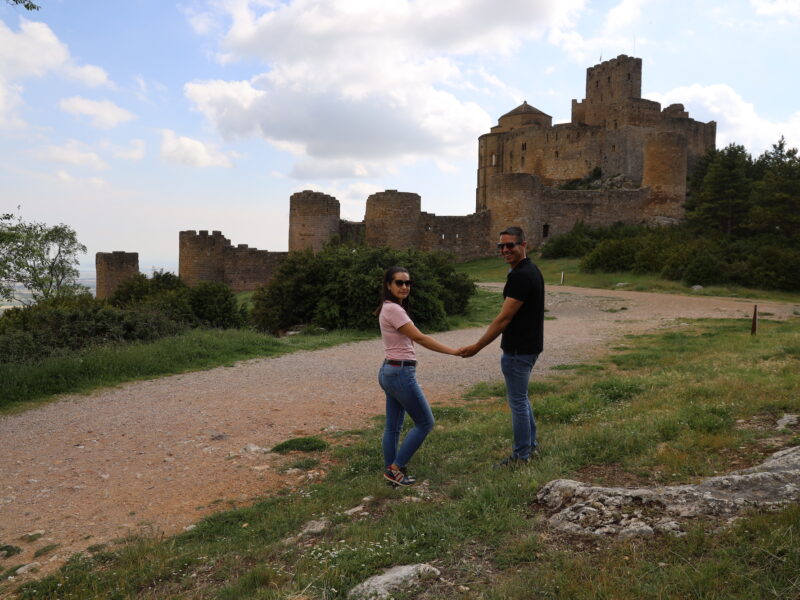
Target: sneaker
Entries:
(397, 477)
(411, 478)
(512, 461)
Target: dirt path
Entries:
(156, 456)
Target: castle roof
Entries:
(525, 109)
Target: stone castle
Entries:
(643, 152)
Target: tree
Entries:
(26, 4)
(722, 202)
(776, 196)
(39, 257)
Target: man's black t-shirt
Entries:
(525, 333)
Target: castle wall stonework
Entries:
(112, 268)
(204, 257)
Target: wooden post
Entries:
(562, 277)
(754, 326)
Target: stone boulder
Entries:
(640, 512)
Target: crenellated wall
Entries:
(204, 257)
(112, 268)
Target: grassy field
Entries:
(494, 269)
(661, 409)
(25, 386)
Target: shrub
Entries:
(214, 305)
(340, 288)
(577, 243)
(70, 323)
(612, 255)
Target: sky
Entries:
(131, 121)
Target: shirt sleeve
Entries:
(395, 315)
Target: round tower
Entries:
(201, 257)
(313, 220)
(112, 268)
(665, 159)
(393, 219)
(515, 200)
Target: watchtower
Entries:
(112, 268)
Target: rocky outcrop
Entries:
(641, 512)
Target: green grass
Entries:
(664, 409)
(494, 269)
(83, 371)
(301, 444)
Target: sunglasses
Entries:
(402, 282)
(507, 245)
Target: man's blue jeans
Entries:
(403, 395)
(517, 372)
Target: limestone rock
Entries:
(640, 512)
(404, 578)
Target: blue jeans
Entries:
(517, 372)
(403, 395)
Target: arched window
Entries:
(545, 230)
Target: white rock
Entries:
(25, 568)
(404, 578)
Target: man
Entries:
(521, 321)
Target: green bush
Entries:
(69, 323)
(339, 288)
(215, 305)
(612, 255)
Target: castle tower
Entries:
(665, 160)
(514, 200)
(313, 220)
(112, 268)
(201, 256)
(393, 219)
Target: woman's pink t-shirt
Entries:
(396, 346)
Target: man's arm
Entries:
(510, 308)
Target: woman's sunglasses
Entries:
(507, 245)
(402, 282)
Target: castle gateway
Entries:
(621, 158)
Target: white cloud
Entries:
(134, 151)
(737, 120)
(190, 152)
(74, 153)
(104, 114)
(624, 14)
(356, 86)
(776, 8)
(66, 177)
(35, 51)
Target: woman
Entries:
(398, 378)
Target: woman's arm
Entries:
(410, 330)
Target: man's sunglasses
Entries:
(507, 245)
(402, 282)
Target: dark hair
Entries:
(388, 277)
(515, 231)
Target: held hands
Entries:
(468, 351)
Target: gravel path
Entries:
(155, 456)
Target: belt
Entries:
(400, 363)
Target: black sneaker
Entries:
(512, 461)
(397, 477)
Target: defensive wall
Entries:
(523, 163)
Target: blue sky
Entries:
(131, 121)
